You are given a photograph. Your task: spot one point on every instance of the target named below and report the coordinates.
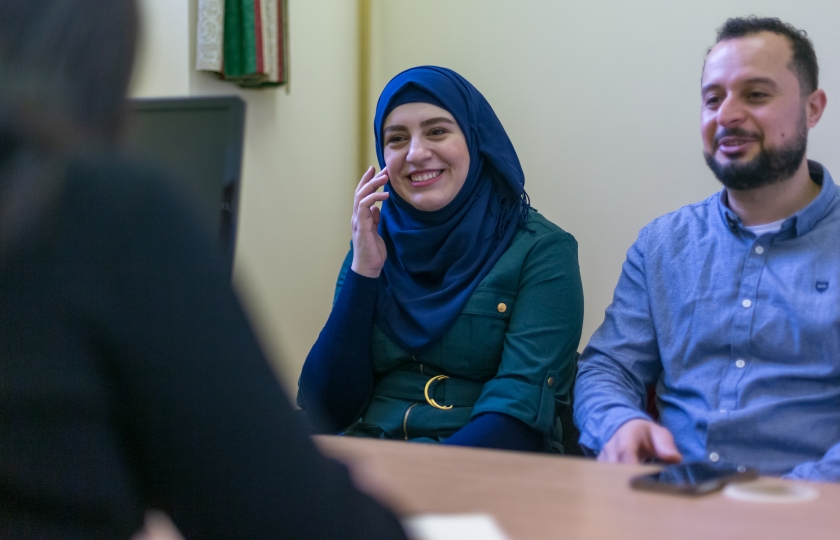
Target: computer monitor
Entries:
(198, 140)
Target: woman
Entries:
(129, 377)
(459, 308)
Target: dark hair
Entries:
(64, 72)
(804, 63)
(65, 65)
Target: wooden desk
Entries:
(540, 496)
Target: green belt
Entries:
(411, 386)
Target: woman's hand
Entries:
(368, 247)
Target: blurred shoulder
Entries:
(108, 195)
(108, 176)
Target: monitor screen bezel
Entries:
(234, 146)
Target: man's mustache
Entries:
(736, 132)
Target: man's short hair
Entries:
(804, 63)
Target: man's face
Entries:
(753, 118)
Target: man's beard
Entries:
(770, 166)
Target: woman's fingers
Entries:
(368, 247)
(366, 178)
(372, 177)
(369, 185)
(368, 203)
(369, 173)
(373, 198)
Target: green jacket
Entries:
(511, 350)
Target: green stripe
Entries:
(240, 39)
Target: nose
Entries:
(418, 150)
(731, 112)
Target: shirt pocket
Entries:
(480, 332)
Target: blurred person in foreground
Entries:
(730, 305)
(129, 376)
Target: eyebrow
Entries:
(755, 80)
(438, 120)
(424, 123)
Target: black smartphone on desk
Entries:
(692, 478)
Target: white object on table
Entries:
(453, 527)
(770, 490)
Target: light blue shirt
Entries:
(740, 334)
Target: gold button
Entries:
(550, 382)
(501, 307)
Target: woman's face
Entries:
(426, 154)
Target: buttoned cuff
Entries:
(530, 403)
(595, 439)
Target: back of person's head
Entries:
(64, 71)
(65, 64)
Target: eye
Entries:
(712, 101)
(437, 131)
(394, 139)
(758, 95)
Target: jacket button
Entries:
(550, 382)
(501, 307)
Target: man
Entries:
(731, 306)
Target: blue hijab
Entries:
(437, 259)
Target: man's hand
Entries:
(638, 440)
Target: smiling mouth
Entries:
(425, 176)
(734, 142)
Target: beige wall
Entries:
(600, 99)
(299, 164)
(163, 57)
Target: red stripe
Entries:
(259, 37)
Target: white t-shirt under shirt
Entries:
(774, 227)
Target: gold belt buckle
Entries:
(431, 401)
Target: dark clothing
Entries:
(130, 379)
(436, 259)
(509, 356)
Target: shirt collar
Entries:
(801, 222)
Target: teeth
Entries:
(424, 177)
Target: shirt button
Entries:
(740, 363)
(714, 457)
(501, 307)
(759, 250)
(741, 468)
(550, 382)
(746, 303)
(722, 411)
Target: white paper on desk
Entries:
(453, 527)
